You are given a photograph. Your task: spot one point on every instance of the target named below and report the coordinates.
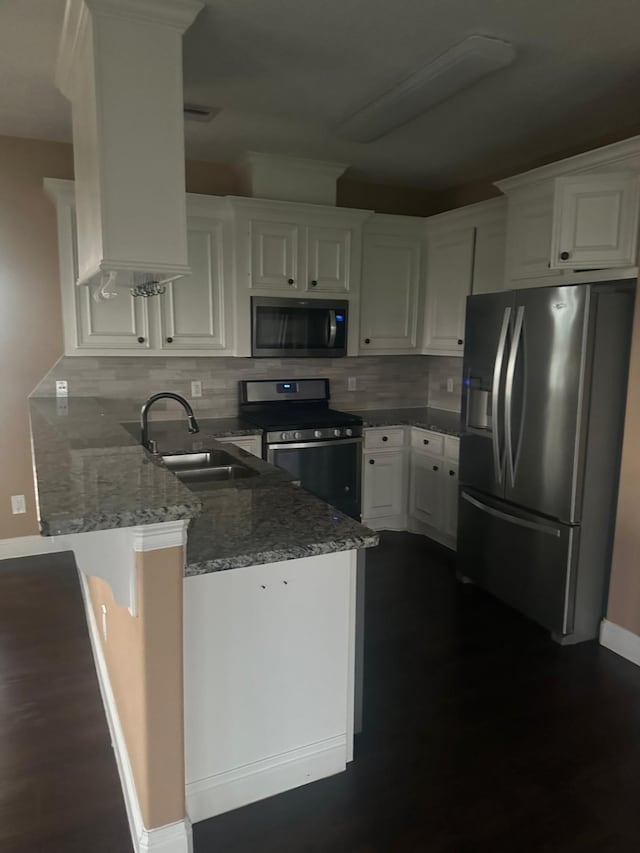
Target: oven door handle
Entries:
(333, 329)
(297, 445)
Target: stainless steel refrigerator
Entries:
(545, 378)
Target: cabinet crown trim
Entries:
(619, 156)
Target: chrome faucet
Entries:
(149, 443)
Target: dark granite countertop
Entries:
(438, 420)
(92, 474)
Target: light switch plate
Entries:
(450, 385)
(18, 504)
(196, 389)
(352, 382)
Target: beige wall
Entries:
(624, 590)
(144, 659)
(30, 314)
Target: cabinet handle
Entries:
(372, 462)
(435, 467)
(564, 256)
(291, 281)
(367, 340)
(452, 473)
(314, 284)
(140, 340)
(460, 341)
(169, 340)
(425, 441)
(385, 438)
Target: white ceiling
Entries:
(285, 72)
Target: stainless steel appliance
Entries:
(545, 377)
(282, 327)
(319, 446)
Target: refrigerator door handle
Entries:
(508, 400)
(495, 394)
(512, 519)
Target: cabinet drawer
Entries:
(430, 442)
(381, 439)
(451, 447)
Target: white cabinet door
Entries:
(120, 323)
(389, 294)
(595, 221)
(450, 484)
(276, 255)
(489, 257)
(529, 238)
(449, 274)
(192, 309)
(426, 489)
(329, 256)
(383, 484)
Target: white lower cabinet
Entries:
(251, 443)
(433, 486)
(384, 479)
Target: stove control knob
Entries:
(285, 436)
(336, 432)
(317, 433)
(348, 431)
(297, 436)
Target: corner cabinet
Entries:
(192, 317)
(392, 277)
(465, 254)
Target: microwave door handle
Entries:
(333, 329)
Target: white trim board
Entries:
(621, 641)
(172, 838)
(30, 546)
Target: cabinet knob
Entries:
(452, 473)
(291, 281)
(367, 340)
(314, 284)
(564, 256)
(140, 340)
(435, 467)
(425, 441)
(385, 438)
(460, 342)
(372, 462)
(169, 340)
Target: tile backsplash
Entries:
(381, 381)
(441, 369)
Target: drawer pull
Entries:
(425, 441)
(435, 467)
(385, 438)
(452, 473)
(372, 462)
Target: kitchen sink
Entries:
(211, 466)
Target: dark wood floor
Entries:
(481, 735)
(59, 786)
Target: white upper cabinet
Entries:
(465, 254)
(529, 227)
(277, 255)
(595, 221)
(115, 324)
(449, 282)
(329, 254)
(390, 290)
(192, 310)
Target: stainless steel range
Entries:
(319, 446)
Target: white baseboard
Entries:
(29, 546)
(621, 641)
(243, 785)
(172, 838)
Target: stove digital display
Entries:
(287, 387)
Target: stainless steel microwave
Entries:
(282, 327)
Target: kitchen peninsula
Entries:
(222, 687)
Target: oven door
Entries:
(298, 327)
(329, 469)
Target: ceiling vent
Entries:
(120, 65)
(458, 68)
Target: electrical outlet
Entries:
(62, 406)
(450, 385)
(18, 504)
(62, 389)
(352, 382)
(196, 389)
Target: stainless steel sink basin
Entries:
(211, 466)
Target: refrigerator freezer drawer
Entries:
(526, 561)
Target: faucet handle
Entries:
(152, 445)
